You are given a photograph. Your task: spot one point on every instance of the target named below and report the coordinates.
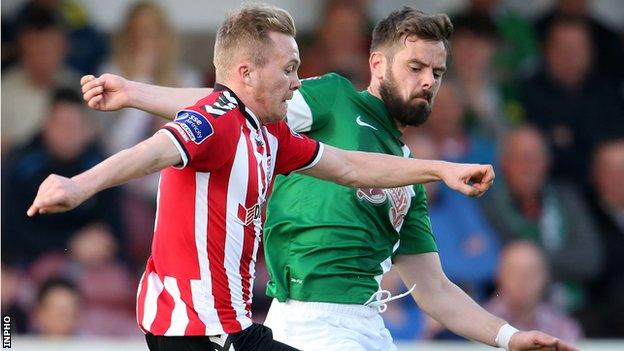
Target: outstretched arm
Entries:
(449, 305)
(60, 194)
(110, 92)
(367, 169)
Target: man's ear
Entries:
(378, 62)
(245, 73)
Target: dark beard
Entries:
(405, 112)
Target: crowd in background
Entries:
(542, 100)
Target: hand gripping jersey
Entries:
(330, 243)
(199, 277)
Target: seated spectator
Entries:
(522, 279)
(145, 50)
(473, 46)
(608, 47)
(453, 141)
(87, 48)
(57, 313)
(570, 101)
(15, 296)
(106, 285)
(604, 317)
(517, 39)
(525, 204)
(27, 87)
(341, 43)
(467, 244)
(65, 146)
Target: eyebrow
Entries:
(440, 69)
(293, 61)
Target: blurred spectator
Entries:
(573, 105)
(607, 44)
(473, 46)
(341, 43)
(26, 88)
(402, 317)
(467, 245)
(15, 296)
(604, 317)
(522, 279)
(88, 47)
(517, 49)
(65, 146)
(453, 141)
(146, 50)
(107, 286)
(524, 204)
(57, 313)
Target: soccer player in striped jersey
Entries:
(327, 246)
(218, 158)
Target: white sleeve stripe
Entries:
(316, 159)
(175, 142)
(299, 116)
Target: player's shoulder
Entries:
(218, 103)
(328, 81)
(217, 113)
(280, 129)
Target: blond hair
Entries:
(245, 33)
(166, 68)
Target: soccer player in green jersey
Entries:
(328, 246)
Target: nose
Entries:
(427, 80)
(295, 83)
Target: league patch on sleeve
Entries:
(196, 126)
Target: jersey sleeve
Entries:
(296, 152)
(204, 141)
(416, 235)
(311, 105)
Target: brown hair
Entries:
(247, 30)
(407, 22)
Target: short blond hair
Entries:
(245, 32)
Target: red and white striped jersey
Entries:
(199, 277)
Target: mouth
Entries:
(421, 99)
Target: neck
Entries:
(246, 96)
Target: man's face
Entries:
(525, 163)
(412, 80)
(569, 53)
(42, 52)
(276, 81)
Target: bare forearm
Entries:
(143, 159)
(385, 171)
(454, 309)
(163, 101)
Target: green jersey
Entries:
(328, 242)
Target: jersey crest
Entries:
(400, 201)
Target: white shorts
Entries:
(328, 326)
